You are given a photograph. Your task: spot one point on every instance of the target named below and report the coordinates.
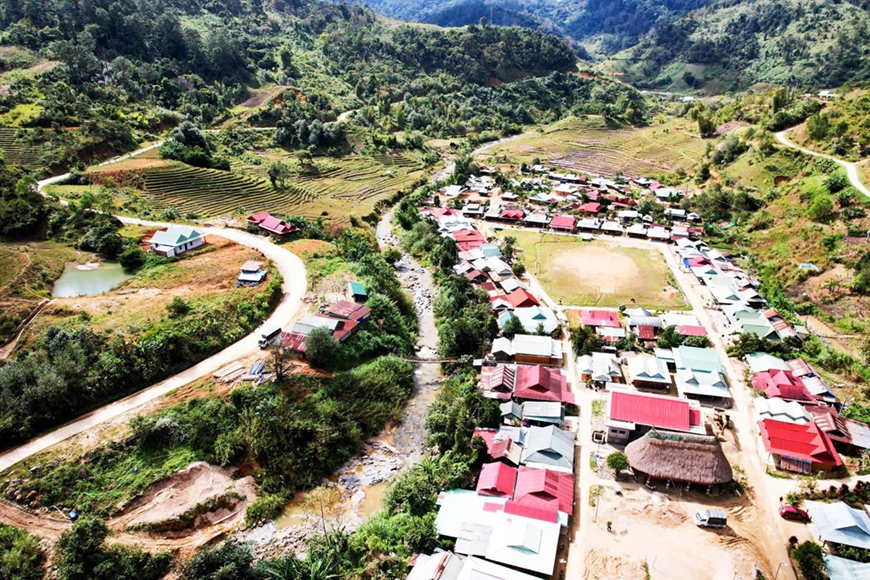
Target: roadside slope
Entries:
(851, 170)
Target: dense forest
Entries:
(732, 45)
(598, 27)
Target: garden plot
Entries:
(16, 153)
(338, 187)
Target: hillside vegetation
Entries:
(595, 26)
(732, 45)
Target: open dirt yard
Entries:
(599, 273)
(653, 536)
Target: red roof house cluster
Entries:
(780, 384)
(265, 221)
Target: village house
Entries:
(533, 318)
(563, 223)
(803, 449)
(497, 382)
(680, 458)
(449, 566)
(538, 219)
(546, 489)
(484, 526)
(252, 273)
(539, 413)
(849, 437)
(497, 480)
(525, 348)
(629, 415)
(269, 223)
(600, 367)
(781, 410)
(549, 447)
(648, 372)
(357, 291)
(350, 311)
(783, 385)
(840, 524)
(539, 383)
(174, 240)
(596, 318)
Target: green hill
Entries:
(733, 45)
(596, 27)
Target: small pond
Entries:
(86, 280)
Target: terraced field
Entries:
(590, 146)
(17, 153)
(343, 185)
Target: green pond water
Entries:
(75, 282)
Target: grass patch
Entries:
(594, 493)
(598, 408)
(598, 273)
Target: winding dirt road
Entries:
(851, 169)
(295, 285)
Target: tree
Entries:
(518, 269)
(512, 327)
(809, 558)
(278, 174)
(836, 181)
(321, 348)
(281, 359)
(618, 462)
(818, 127)
(323, 505)
(706, 127)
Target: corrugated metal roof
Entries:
(642, 409)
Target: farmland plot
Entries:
(15, 153)
(339, 187)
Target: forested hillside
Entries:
(123, 70)
(597, 27)
(732, 45)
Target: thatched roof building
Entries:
(680, 458)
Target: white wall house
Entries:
(175, 240)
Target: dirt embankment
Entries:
(194, 507)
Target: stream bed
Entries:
(364, 479)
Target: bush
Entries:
(132, 259)
(809, 558)
(266, 507)
(617, 461)
(321, 348)
(178, 307)
(20, 555)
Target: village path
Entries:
(851, 169)
(288, 264)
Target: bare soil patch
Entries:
(726, 128)
(203, 494)
(657, 529)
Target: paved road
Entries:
(295, 285)
(851, 169)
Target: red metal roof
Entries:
(592, 207)
(805, 442)
(498, 381)
(258, 217)
(468, 236)
(545, 489)
(687, 330)
(521, 297)
(276, 226)
(539, 383)
(600, 318)
(779, 384)
(497, 480)
(661, 412)
(467, 246)
(511, 214)
(293, 341)
(563, 222)
(349, 310)
(527, 511)
(488, 435)
(800, 368)
(646, 332)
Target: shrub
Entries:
(617, 461)
(178, 307)
(809, 558)
(321, 348)
(132, 259)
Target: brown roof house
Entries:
(680, 458)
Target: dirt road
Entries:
(851, 170)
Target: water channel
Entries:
(88, 279)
